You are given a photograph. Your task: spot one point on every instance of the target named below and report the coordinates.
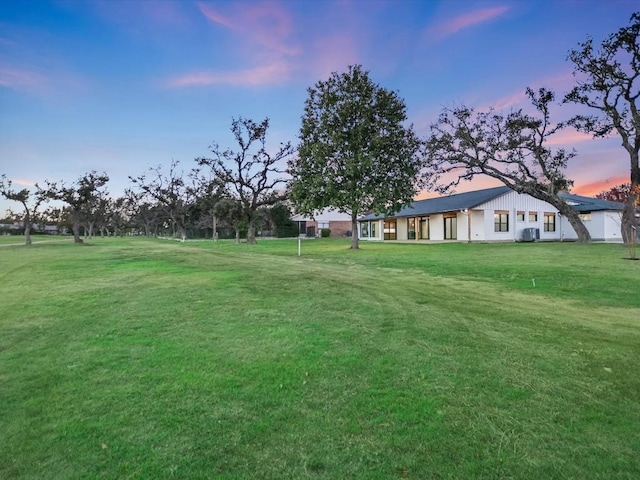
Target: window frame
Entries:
(425, 221)
(390, 229)
(501, 221)
(411, 229)
(364, 229)
(549, 226)
(452, 232)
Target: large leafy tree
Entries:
(355, 154)
(608, 81)
(512, 148)
(31, 202)
(251, 175)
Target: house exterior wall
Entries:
(339, 228)
(436, 227)
(477, 225)
(612, 221)
(512, 203)
(604, 226)
(402, 229)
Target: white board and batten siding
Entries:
(604, 226)
(512, 203)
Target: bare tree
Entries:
(81, 197)
(210, 190)
(251, 175)
(171, 191)
(31, 202)
(230, 212)
(608, 81)
(511, 148)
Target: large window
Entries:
(500, 221)
(390, 229)
(364, 229)
(533, 216)
(450, 227)
(411, 228)
(424, 228)
(368, 229)
(549, 222)
(520, 217)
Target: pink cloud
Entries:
(263, 30)
(20, 79)
(252, 77)
(466, 20)
(569, 137)
(510, 101)
(23, 183)
(214, 16)
(266, 25)
(593, 188)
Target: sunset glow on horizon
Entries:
(125, 85)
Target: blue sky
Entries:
(124, 85)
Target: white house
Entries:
(493, 214)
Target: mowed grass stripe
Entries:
(147, 359)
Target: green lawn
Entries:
(19, 239)
(150, 359)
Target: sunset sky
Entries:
(124, 85)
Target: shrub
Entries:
(325, 232)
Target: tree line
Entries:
(356, 154)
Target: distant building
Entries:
(339, 223)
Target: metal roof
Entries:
(588, 204)
(450, 203)
(460, 201)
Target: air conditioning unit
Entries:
(529, 235)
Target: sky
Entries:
(121, 86)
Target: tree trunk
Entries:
(629, 224)
(76, 231)
(251, 231)
(572, 216)
(27, 227)
(88, 230)
(583, 234)
(354, 232)
(237, 229)
(214, 235)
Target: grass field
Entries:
(149, 359)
